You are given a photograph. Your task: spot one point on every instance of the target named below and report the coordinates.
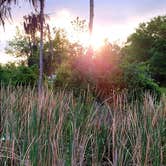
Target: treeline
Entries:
(138, 66)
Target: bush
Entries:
(71, 79)
(25, 75)
(16, 75)
(107, 74)
(138, 80)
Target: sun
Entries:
(96, 40)
(63, 19)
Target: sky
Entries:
(114, 19)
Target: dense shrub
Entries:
(25, 75)
(106, 74)
(18, 75)
(138, 80)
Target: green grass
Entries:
(59, 129)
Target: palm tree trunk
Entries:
(40, 84)
(91, 17)
(51, 52)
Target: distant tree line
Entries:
(138, 66)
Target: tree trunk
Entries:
(91, 17)
(51, 51)
(40, 84)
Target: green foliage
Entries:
(148, 45)
(71, 79)
(137, 79)
(106, 74)
(19, 45)
(18, 75)
(55, 50)
(25, 75)
(110, 70)
(67, 129)
(158, 61)
(63, 75)
(6, 73)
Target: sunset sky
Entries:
(114, 19)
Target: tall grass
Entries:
(59, 129)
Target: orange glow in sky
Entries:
(63, 20)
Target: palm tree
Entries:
(5, 13)
(91, 17)
(41, 46)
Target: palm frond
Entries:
(5, 13)
(9, 2)
(5, 9)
